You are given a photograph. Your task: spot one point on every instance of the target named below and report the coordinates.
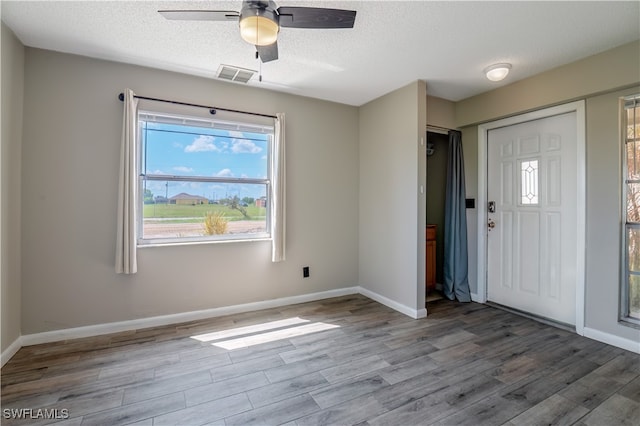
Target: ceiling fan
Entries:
(261, 20)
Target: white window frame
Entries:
(195, 121)
(625, 318)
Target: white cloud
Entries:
(202, 143)
(225, 173)
(158, 172)
(245, 147)
(185, 186)
(183, 169)
(236, 134)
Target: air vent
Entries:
(231, 73)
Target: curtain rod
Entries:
(212, 109)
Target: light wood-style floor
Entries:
(464, 364)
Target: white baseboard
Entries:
(116, 327)
(420, 313)
(158, 321)
(10, 351)
(610, 339)
(413, 313)
(136, 324)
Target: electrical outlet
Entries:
(305, 272)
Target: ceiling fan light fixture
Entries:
(258, 30)
(259, 21)
(497, 72)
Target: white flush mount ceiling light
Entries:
(497, 72)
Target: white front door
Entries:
(532, 213)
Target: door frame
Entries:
(483, 129)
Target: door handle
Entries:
(491, 224)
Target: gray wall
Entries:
(392, 210)
(604, 205)
(70, 174)
(12, 97)
(599, 80)
(352, 179)
(442, 112)
(470, 152)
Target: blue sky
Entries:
(195, 151)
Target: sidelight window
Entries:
(630, 295)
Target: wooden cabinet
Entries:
(431, 257)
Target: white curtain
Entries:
(126, 257)
(277, 196)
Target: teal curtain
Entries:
(456, 268)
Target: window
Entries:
(630, 300)
(529, 182)
(202, 179)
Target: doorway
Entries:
(437, 155)
(531, 216)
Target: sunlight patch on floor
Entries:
(243, 337)
(272, 336)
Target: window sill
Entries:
(629, 322)
(202, 242)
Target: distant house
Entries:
(261, 202)
(184, 198)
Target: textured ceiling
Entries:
(393, 43)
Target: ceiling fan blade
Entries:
(268, 53)
(200, 15)
(312, 17)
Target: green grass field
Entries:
(187, 213)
